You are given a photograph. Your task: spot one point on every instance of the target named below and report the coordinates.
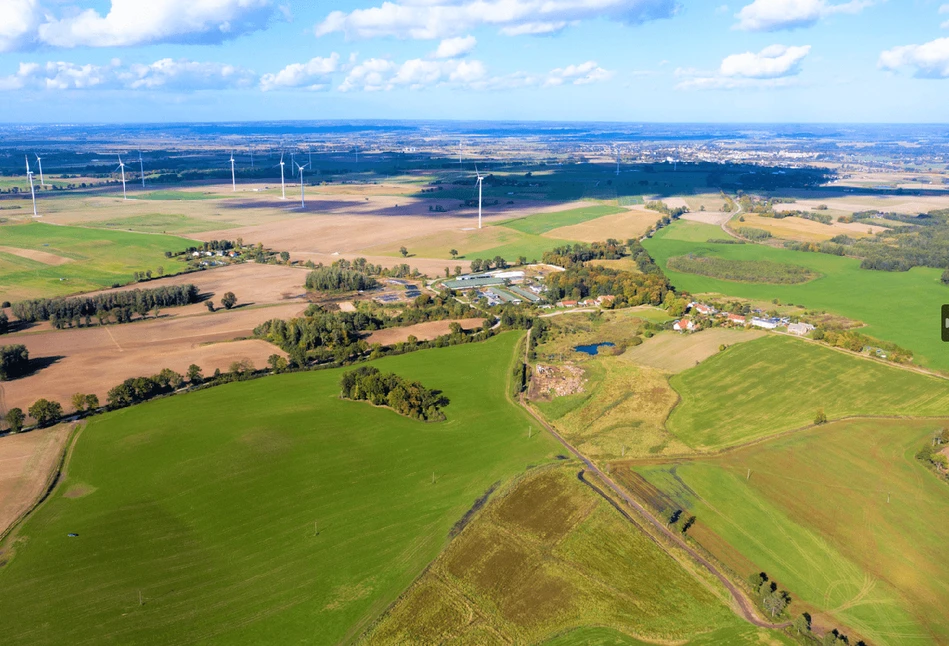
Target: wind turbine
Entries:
(480, 182)
(461, 151)
(121, 167)
(39, 161)
(283, 185)
(141, 168)
(302, 194)
(233, 177)
(29, 174)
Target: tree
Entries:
(476, 265)
(45, 411)
(285, 256)
(4, 323)
(457, 270)
(821, 417)
(775, 603)
(210, 305)
(15, 419)
(194, 374)
(403, 251)
(14, 361)
(79, 402)
(454, 254)
(228, 300)
(277, 363)
(92, 402)
(522, 260)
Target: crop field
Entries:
(808, 230)
(675, 352)
(545, 557)
(231, 524)
(843, 517)
(626, 224)
(896, 306)
(96, 259)
(743, 271)
(158, 223)
(776, 383)
(545, 222)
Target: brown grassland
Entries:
(675, 352)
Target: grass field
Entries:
(483, 243)
(541, 223)
(98, 259)
(207, 505)
(896, 306)
(178, 195)
(159, 223)
(546, 557)
(815, 516)
(776, 383)
(675, 352)
(738, 635)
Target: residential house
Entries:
(683, 325)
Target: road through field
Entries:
(745, 607)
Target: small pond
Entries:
(594, 348)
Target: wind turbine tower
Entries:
(233, 176)
(302, 194)
(122, 168)
(29, 174)
(39, 162)
(283, 185)
(141, 168)
(480, 182)
(617, 162)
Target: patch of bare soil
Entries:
(708, 217)
(27, 462)
(556, 381)
(421, 331)
(38, 256)
(93, 360)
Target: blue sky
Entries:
(612, 60)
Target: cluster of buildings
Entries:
(688, 324)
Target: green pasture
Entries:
(98, 258)
(902, 307)
(843, 517)
(160, 223)
(178, 195)
(541, 223)
(777, 383)
(268, 511)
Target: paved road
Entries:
(744, 605)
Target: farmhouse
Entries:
(683, 325)
(567, 304)
(702, 308)
(800, 329)
(736, 318)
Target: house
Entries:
(567, 303)
(683, 325)
(767, 324)
(800, 329)
(736, 318)
(702, 308)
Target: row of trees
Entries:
(14, 361)
(411, 399)
(121, 304)
(567, 255)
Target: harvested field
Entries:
(630, 224)
(421, 331)
(93, 360)
(808, 230)
(27, 462)
(674, 352)
(708, 217)
(545, 557)
(38, 256)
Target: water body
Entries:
(593, 349)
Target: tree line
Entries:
(118, 304)
(410, 399)
(335, 280)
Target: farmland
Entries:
(96, 259)
(542, 223)
(545, 557)
(901, 308)
(232, 527)
(776, 384)
(843, 517)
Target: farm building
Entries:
(767, 324)
(683, 325)
(472, 282)
(702, 308)
(800, 329)
(736, 318)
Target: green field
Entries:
(901, 307)
(842, 516)
(98, 258)
(206, 504)
(547, 557)
(776, 383)
(540, 223)
(738, 635)
(178, 195)
(160, 223)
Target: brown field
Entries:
(38, 256)
(621, 264)
(807, 230)
(27, 462)
(708, 217)
(93, 360)
(421, 331)
(631, 224)
(905, 204)
(675, 352)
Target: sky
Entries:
(872, 61)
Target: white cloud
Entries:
(581, 74)
(18, 24)
(312, 75)
(944, 9)
(775, 15)
(135, 22)
(455, 47)
(370, 75)
(929, 60)
(164, 74)
(772, 67)
(431, 19)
